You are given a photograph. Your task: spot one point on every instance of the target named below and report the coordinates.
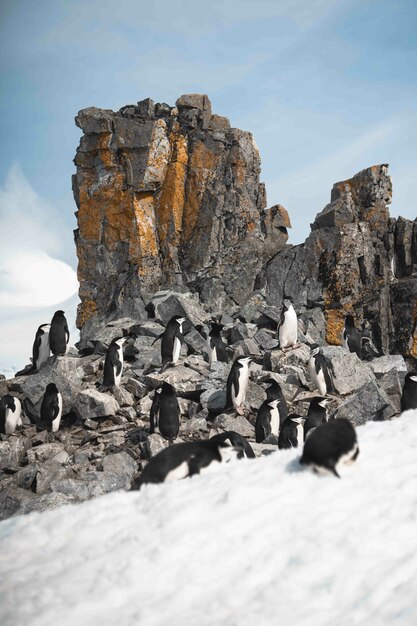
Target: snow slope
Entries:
(259, 542)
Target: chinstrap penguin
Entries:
(288, 327)
(10, 414)
(165, 413)
(216, 348)
(329, 446)
(172, 340)
(113, 364)
(352, 339)
(319, 371)
(41, 351)
(58, 334)
(51, 409)
(317, 414)
(237, 384)
(186, 459)
(237, 441)
(267, 420)
(292, 432)
(409, 394)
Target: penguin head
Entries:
(274, 403)
(287, 304)
(120, 340)
(411, 376)
(167, 389)
(9, 402)
(216, 328)
(315, 349)
(51, 388)
(59, 313)
(179, 320)
(243, 361)
(44, 328)
(349, 321)
(298, 419)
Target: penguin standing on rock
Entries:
(274, 392)
(267, 420)
(409, 394)
(292, 433)
(318, 370)
(352, 339)
(113, 364)
(216, 348)
(51, 409)
(172, 340)
(10, 414)
(165, 413)
(41, 351)
(317, 414)
(186, 459)
(237, 384)
(288, 327)
(330, 445)
(58, 334)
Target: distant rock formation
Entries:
(170, 198)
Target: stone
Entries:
(246, 347)
(239, 424)
(27, 475)
(166, 304)
(261, 449)
(370, 402)
(136, 387)
(122, 396)
(298, 356)
(349, 372)
(44, 452)
(213, 399)
(255, 396)
(12, 451)
(267, 340)
(120, 463)
(92, 485)
(183, 379)
(155, 443)
(92, 403)
(47, 473)
(194, 425)
(195, 341)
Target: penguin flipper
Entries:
(153, 412)
(158, 337)
(117, 364)
(67, 332)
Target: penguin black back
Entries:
(409, 394)
(330, 444)
(169, 413)
(352, 336)
(237, 383)
(237, 441)
(291, 434)
(216, 348)
(172, 340)
(113, 363)
(317, 414)
(58, 334)
(51, 409)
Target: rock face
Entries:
(168, 197)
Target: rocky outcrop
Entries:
(168, 196)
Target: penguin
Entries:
(329, 445)
(113, 364)
(352, 336)
(292, 433)
(319, 371)
(41, 351)
(216, 348)
(317, 414)
(288, 327)
(10, 414)
(186, 459)
(165, 410)
(267, 420)
(237, 441)
(51, 409)
(172, 340)
(58, 334)
(237, 383)
(409, 394)
(274, 392)
(368, 350)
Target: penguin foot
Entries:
(240, 409)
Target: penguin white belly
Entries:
(348, 458)
(288, 330)
(239, 399)
(275, 421)
(345, 341)
(56, 422)
(176, 350)
(317, 377)
(300, 434)
(211, 352)
(44, 351)
(179, 472)
(118, 377)
(13, 418)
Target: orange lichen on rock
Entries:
(146, 243)
(86, 311)
(335, 321)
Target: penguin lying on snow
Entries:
(165, 413)
(330, 445)
(10, 414)
(409, 394)
(317, 414)
(237, 384)
(58, 334)
(172, 340)
(216, 348)
(51, 409)
(292, 433)
(40, 350)
(288, 327)
(319, 371)
(186, 459)
(237, 441)
(113, 364)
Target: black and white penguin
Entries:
(288, 327)
(409, 394)
(274, 392)
(292, 432)
(41, 351)
(352, 339)
(58, 334)
(51, 409)
(317, 414)
(216, 348)
(113, 364)
(165, 413)
(10, 414)
(368, 349)
(329, 446)
(267, 420)
(237, 383)
(172, 340)
(237, 441)
(319, 371)
(186, 459)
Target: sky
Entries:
(328, 87)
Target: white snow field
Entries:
(259, 542)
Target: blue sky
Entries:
(326, 87)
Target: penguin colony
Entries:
(327, 443)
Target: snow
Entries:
(259, 542)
